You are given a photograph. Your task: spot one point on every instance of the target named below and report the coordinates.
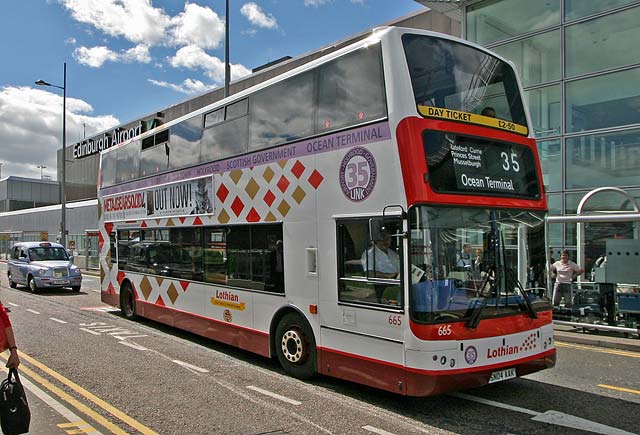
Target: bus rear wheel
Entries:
(128, 302)
(296, 346)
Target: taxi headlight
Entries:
(42, 272)
(75, 270)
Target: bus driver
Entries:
(381, 261)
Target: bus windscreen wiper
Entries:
(474, 311)
(527, 303)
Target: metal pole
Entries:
(227, 69)
(63, 201)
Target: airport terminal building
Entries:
(579, 67)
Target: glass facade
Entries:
(580, 68)
(492, 21)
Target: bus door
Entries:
(368, 318)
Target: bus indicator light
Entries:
(313, 309)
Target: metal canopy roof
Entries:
(451, 8)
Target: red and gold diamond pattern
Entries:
(264, 193)
(253, 194)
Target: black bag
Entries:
(15, 415)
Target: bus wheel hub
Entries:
(292, 347)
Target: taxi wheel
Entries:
(31, 283)
(296, 346)
(75, 288)
(12, 284)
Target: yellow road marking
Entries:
(626, 390)
(71, 424)
(83, 427)
(86, 394)
(598, 349)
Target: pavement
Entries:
(562, 333)
(612, 340)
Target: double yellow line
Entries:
(598, 349)
(84, 393)
(609, 351)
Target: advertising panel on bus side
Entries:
(185, 198)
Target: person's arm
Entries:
(14, 359)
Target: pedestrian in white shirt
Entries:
(564, 271)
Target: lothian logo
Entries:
(530, 343)
(358, 174)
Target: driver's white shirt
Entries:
(386, 262)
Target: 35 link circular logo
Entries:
(470, 355)
(358, 174)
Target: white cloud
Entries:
(70, 41)
(258, 17)
(316, 3)
(31, 128)
(198, 26)
(135, 20)
(138, 53)
(195, 58)
(95, 57)
(189, 86)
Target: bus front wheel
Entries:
(128, 302)
(296, 347)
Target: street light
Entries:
(63, 200)
(227, 67)
(42, 168)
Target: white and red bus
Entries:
(370, 215)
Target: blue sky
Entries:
(128, 58)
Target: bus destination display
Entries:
(464, 164)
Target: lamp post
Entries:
(63, 200)
(227, 68)
(1, 169)
(42, 168)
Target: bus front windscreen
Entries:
(458, 82)
(464, 263)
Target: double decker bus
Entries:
(370, 215)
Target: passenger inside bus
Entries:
(489, 111)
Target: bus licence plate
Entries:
(502, 375)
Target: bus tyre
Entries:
(31, 283)
(128, 302)
(296, 347)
